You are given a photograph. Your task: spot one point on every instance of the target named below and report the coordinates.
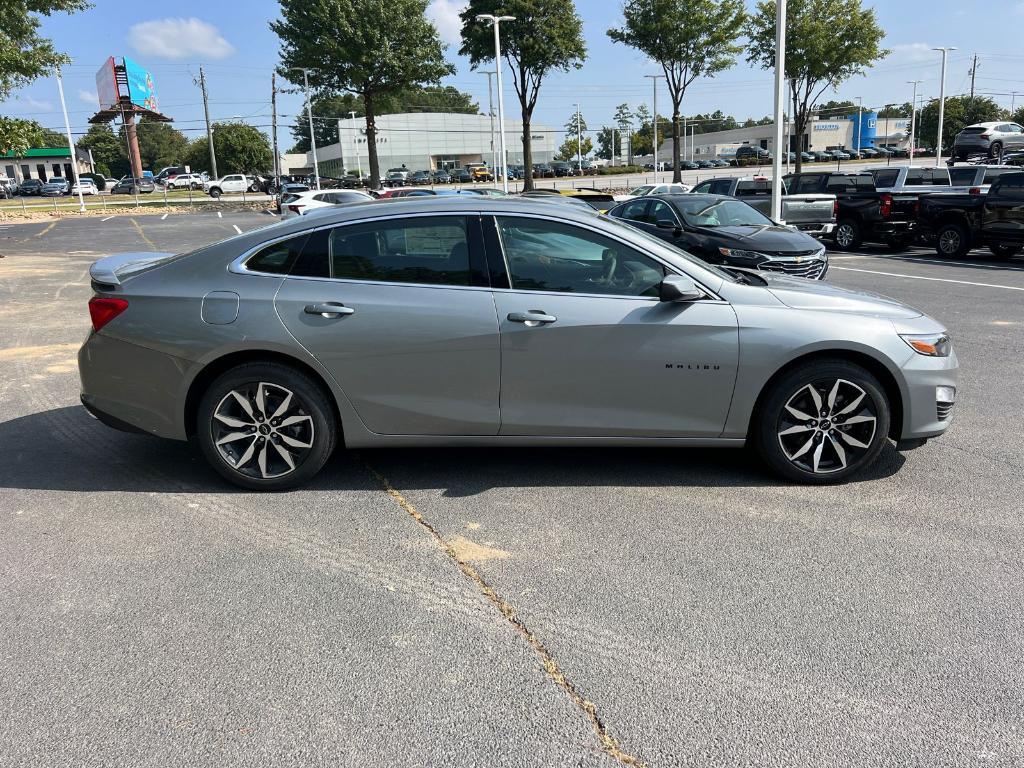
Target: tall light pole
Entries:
(355, 145)
(780, 82)
(654, 123)
(942, 104)
(913, 118)
(490, 111)
(579, 141)
(495, 21)
(71, 143)
(309, 114)
(860, 110)
(1013, 102)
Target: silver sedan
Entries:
(477, 322)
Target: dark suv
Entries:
(562, 168)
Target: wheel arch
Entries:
(873, 365)
(219, 365)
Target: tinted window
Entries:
(887, 178)
(1012, 186)
(660, 211)
(849, 183)
(633, 210)
(991, 174)
(962, 177)
(747, 188)
(552, 256)
(429, 250)
(703, 187)
(721, 187)
(724, 212)
(277, 259)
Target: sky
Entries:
(233, 42)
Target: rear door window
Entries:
(279, 258)
(634, 210)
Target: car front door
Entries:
(400, 312)
(1003, 210)
(587, 349)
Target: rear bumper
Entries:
(816, 229)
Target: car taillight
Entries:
(102, 311)
(986, 135)
(974, 191)
(835, 209)
(886, 206)
(917, 208)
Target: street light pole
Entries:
(780, 81)
(654, 123)
(490, 111)
(355, 146)
(71, 143)
(495, 21)
(579, 142)
(942, 104)
(860, 110)
(913, 120)
(309, 114)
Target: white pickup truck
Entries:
(813, 213)
(233, 182)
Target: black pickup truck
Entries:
(864, 214)
(958, 223)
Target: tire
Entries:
(832, 453)
(848, 236)
(214, 193)
(1004, 251)
(952, 241)
(995, 148)
(277, 456)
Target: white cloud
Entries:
(445, 16)
(37, 105)
(89, 97)
(179, 39)
(912, 52)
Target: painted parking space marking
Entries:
(1011, 266)
(164, 216)
(933, 279)
(236, 228)
(107, 219)
(44, 231)
(220, 215)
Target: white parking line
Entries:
(236, 228)
(107, 219)
(220, 215)
(164, 216)
(933, 279)
(1005, 266)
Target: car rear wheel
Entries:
(995, 148)
(952, 241)
(266, 426)
(214, 193)
(823, 422)
(848, 235)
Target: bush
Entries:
(101, 183)
(620, 170)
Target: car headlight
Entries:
(929, 344)
(738, 253)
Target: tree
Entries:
(895, 110)
(836, 109)
(688, 38)
(643, 140)
(108, 151)
(572, 147)
(1018, 116)
(17, 135)
(241, 148)
(546, 35)
(714, 122)
(960, 112)
(372, 48)
(827, 42)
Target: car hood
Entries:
(799, 293)
(771, 239)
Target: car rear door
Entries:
(1003, 210)
(587, 349)
(399, 310)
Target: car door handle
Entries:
(532, 318)
(328, 309)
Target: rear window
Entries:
(962, 177)
(975, 130)
(862, 183)
(991, 174)
(886, 178)
(747, 188)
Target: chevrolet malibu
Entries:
(509, 322)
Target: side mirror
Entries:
(667, 224)
(679, 288)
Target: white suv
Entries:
(989, 139)
(300, 203)
(185, 181)
(234, 182)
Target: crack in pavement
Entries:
(143, 235)
(608, 742)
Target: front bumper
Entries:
(925, 414)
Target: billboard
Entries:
(106, 85)
(141, 90)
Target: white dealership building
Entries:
(428, 141)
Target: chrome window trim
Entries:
(237, 265)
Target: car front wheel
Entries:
(823, 422)
(266, 426)
(214, 193)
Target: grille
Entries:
(943, 410)
(811, 269)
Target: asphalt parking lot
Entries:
(503, 607)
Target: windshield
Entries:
(641, 191)
(658, 244)
(711, 212)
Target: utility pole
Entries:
(309, 114)
(913, 119)
(71, 144)
(209, 131)
(974, 71)
(579, 141)
(654, 123)
(490, 111)
(273, 130)
(495, 21)
(780, 82)
(1013, 102)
